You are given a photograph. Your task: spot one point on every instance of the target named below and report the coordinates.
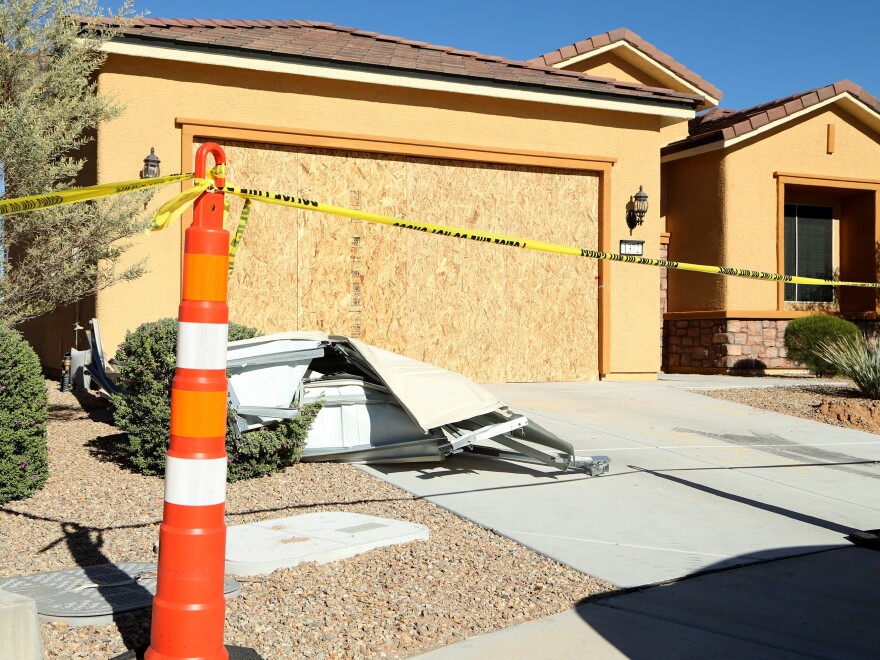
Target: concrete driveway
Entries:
(696, 485)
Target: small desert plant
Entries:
(855, 357)
(24, 461)
(146, 362)
(803, 336)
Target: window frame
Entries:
(833, 246)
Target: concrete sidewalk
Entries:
(821, 605)
(697, 484)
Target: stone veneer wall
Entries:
(722, 344)
(732, 344)
(871, 329)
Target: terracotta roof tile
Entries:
(601, 40)
(825, 92)
(584, 46)
(634, 40)
(552, 58)
(795, 105)
(758, 120)
(568, 52)
(776, 113)
(809, 99)
(328, 42)
(722, 124)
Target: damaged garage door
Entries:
(495, 314)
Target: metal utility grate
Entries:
(92, 595)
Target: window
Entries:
(808, 251)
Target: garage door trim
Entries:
(191, 129)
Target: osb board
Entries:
(493, 313)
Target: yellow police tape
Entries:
(528, 244)
(61, 197)
(239, 232)
(174, 207)
(177, 205)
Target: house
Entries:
(789, 187)
(415, 131)
(551, 149)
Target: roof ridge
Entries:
(214, 22)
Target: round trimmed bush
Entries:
(24, 459)
(146, 361)
(804, 335)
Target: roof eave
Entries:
(716, 140)
(675, 107)
(712, 96)
(607, 41)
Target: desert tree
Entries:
(50, 110)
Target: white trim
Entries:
(844, 97)
(710, 100)
(195, 482)
(588, 55)
(696, 151)
(338, 71)
(201, 345)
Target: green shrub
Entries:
(262, 452)
(858, 358)
(24, 459)
(146, 360)
(803, 336)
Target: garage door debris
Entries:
(380, 407)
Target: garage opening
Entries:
(496, 314)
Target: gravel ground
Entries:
(391, 602)
(839, 405)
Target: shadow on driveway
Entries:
(817, 604)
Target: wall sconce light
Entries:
(636, 209)
(151, 165)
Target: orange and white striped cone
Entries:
(189, 606)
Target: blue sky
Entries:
(753, 51)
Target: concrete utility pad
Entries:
(696, 483)
(94, 594)
(265, 546)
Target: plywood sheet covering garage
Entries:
(493, 313)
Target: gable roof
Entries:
(601, 43)
(721, 125)
(325, 43)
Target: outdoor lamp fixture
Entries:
(636, 209)
(151, 165)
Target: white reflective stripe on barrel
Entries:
(201, 345)
(195, 482)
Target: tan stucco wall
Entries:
(743, 176)
(155, 93)
(610, 65)
(694, 202)
(623, 62)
